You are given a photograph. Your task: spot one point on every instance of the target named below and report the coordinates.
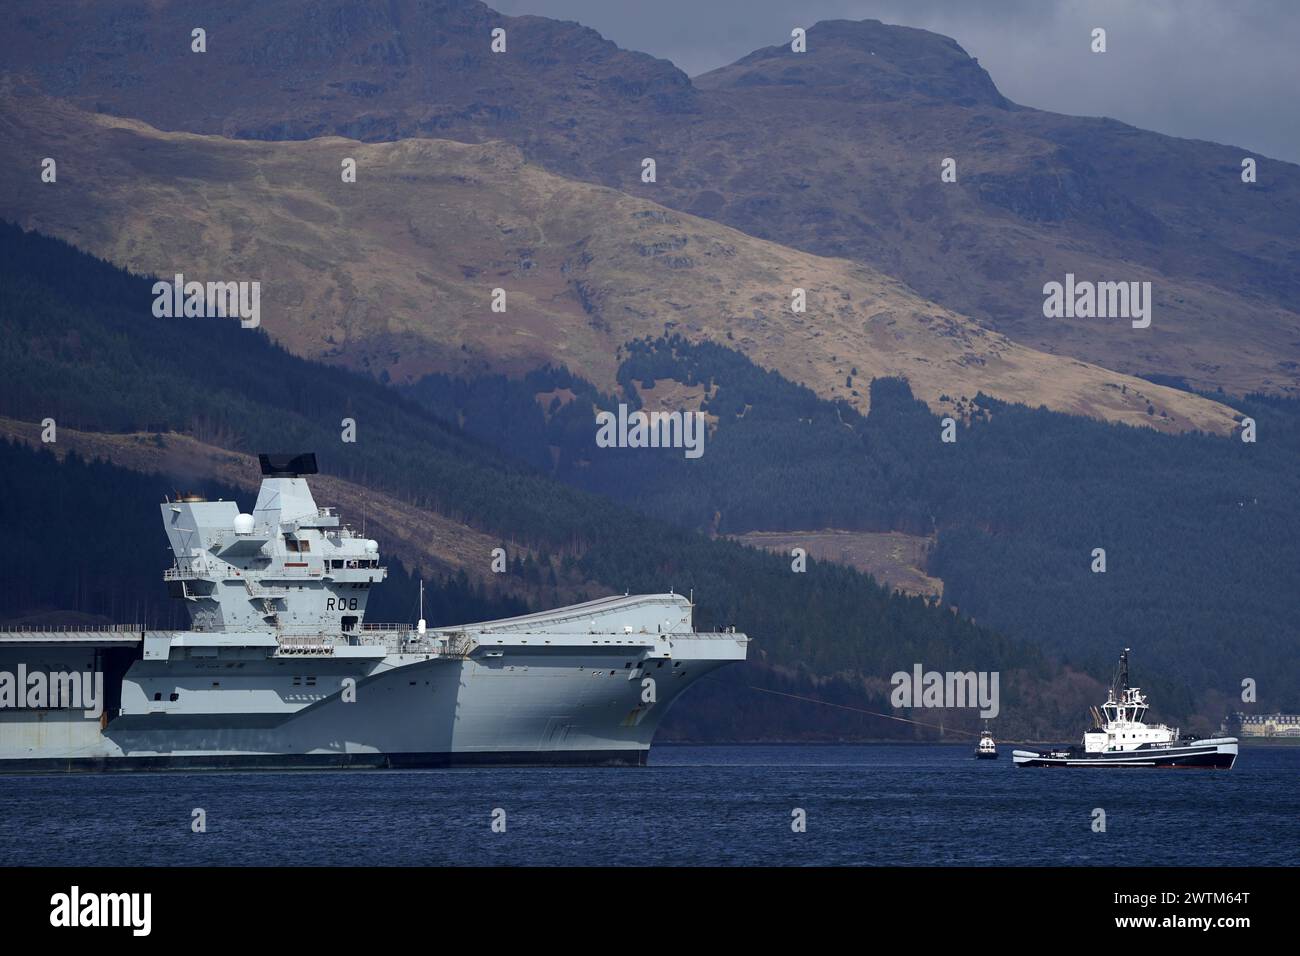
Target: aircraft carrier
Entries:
(281, 670)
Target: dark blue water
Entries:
(883, 804)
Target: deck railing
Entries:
(57, 628)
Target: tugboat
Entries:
(987, 748)
(1120, 738)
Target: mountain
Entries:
(1038, 195)
(372, 70)
(394, 274)
(836, 151)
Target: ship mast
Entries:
(420, 625)
(1119, 682)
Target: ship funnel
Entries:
(288, 466)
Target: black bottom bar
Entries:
(1215, 904)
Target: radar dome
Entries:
(372, 546)
(243, 524)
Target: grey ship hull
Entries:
(523, 691)
(326, 761)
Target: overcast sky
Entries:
(1222, 70)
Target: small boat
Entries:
(987, 748)
(1120, 737)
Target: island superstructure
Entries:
(281, 669)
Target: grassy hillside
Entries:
(394, 274)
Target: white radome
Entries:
(244, 524)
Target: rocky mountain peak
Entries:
(866, 59)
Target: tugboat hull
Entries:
(1218, 753)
